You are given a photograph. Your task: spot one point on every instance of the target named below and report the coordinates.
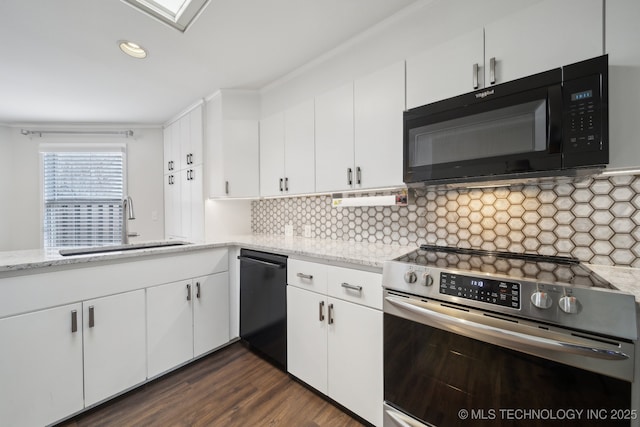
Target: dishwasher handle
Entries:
(261, 262)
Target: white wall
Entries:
(421, 25)
(225, 218)
(6, 193)
(144, 176)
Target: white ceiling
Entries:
(60, 60)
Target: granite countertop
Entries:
(365, 254)
(625, 279)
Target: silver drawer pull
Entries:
(305, 276)
(352, 287)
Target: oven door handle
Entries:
(517, 339)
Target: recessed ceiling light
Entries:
(132, 49)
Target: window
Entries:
(177, 13)
(83, 194)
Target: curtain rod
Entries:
(125, 133)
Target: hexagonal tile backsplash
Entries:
(596, 220)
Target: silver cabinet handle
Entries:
(352, 287)
(169, 179)
(331, 314)
(92, 317)
(305, 276)
(188, 292)
(349, 176)
(226, 187)
(358, 175)
(74, 321)
(198, 290)
(475, 76)
(286, 184)
(192, 174)
(280, 184)
(321, 311)
(492, 70)
(169, 165)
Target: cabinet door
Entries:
(307, 337)
(355, 359)
(196, 135)
(40, 367)
(185, 204)
(546, 35)
(185, 140)
(272, 155)
(299, 137)
(334, 140)
(173, 205)
(241, 158)
(196, 211)
(446, 70)
(169, 326)
(176, 143)
(166, 139)
(115, 357)
(210, 312)
(623, 37)
(379, 104)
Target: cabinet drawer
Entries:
(361, 287)
(307, 275)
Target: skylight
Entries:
(177, 13)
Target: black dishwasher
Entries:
(263, 304)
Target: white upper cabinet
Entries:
(379, 102)
(447, 70)
(232, 144)
(622, 39)
(546, 35)
(272, 155)
(287, 143)
(183, 194)
(299, 142)
(334, 139)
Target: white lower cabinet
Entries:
(355, 359)
(114, 330)
(41, 366)
(334, 345)
(210, 313)
(307, 337)
(185, 319)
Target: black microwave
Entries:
(549, 124)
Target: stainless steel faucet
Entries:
(127, 214)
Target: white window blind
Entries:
(83, 194)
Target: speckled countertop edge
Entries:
(625, 279)
(358, 253)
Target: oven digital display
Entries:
(498, 292)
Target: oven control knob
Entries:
(568, 304)
(427, 280)
(541, 299)
(410, 277)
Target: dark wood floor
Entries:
(232, 387)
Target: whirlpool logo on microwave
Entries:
(485, 93)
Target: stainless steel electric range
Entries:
(492, 338)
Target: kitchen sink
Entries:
(118, 248)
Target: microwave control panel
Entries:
(583, 115)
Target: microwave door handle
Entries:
(554, 116)
(512, 338)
